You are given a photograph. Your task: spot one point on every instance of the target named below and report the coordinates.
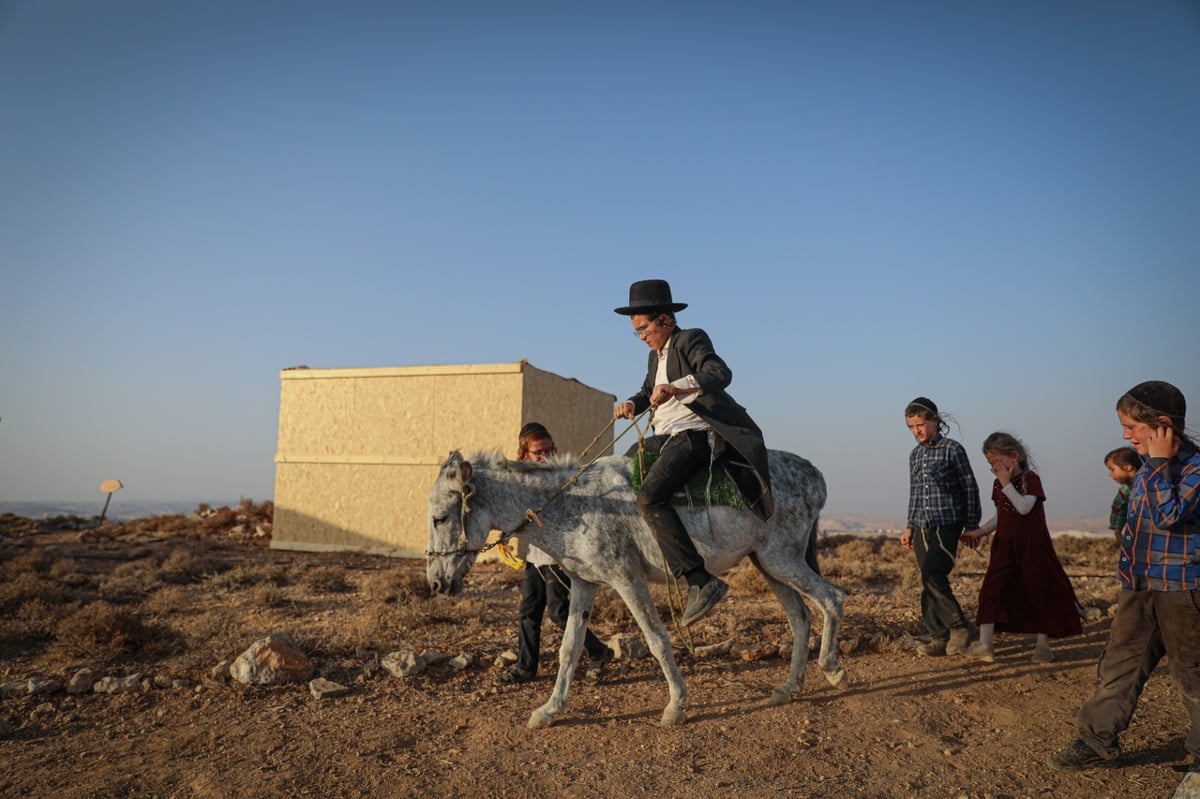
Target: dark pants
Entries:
(1148, 625)
(937, 549)
(546, 586)
(681, 457)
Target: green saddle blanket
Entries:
(697, 491)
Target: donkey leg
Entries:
(831, 599)
(636, 594)
(582, 596)
(799, 618)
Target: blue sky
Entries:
(992, 204)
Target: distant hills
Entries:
(850, 523)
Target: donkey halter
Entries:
(531, 515)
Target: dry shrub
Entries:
(609, 610)
(276, 575)
(183, 566)
(26, 587)
(34, 621)
(391, 586)
(171, 599)
(67, 571)
(37, 561)
(268, 596)
(101, 632)
(328, 580)
(128, 588)
(744, 578)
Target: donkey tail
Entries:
(810, 554)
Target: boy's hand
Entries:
(1161, 443)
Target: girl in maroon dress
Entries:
(1025, 589)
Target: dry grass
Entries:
(100, 633)
(327, 580)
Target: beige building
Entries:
(359, 449)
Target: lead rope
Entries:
(675, 600)
(532, 515)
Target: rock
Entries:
(119, 685)
(461, 662)
(11, 690)
(715, 650)
(274, 659)
(42, 711)
(1092, 614)
(322, 688)
(82, 681)
(220, 672)
(1189, 787)
(506, 658)
(432, 657)
(628, 647)
(403, 663)
(753, 653)
(163, 681)
(37, 685)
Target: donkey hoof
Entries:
(780, 696)
(838, 679)
(672, 717)
(540, 719)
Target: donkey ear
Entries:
(465, 471)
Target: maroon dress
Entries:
(1025, 589)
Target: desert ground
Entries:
(171, 598)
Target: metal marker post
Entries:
(109, 487)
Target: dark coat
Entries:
(691, 353)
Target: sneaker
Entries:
(981, 651)
(933, 649)
(595, 669)
(959, 638)
(702, 598)
(514, 675)
(1079, 756)
(1042, 654)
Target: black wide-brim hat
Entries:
(650, 297)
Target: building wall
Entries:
(359, 449)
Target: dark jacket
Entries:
(690, 352)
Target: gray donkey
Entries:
(594, 530)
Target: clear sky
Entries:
(993, 204)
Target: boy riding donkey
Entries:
(696, 424)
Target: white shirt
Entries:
(674, 416)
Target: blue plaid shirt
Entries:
(1160, 546)
(942, 488)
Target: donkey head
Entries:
(451, 554)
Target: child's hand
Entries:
(971, 537)
(906, 538)
(1161, 443)
(1003, 473)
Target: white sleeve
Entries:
(989, 526)
(1022, 502)
(689, 382)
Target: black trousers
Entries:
(546, 587)
(681, 457)
(937, 550)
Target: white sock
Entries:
(986, 633)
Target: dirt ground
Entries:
(171, 597)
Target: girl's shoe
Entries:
(1042, 654)
(981, 651)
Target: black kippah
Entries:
(924, 403)
(1162, 398)
(530, 429)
